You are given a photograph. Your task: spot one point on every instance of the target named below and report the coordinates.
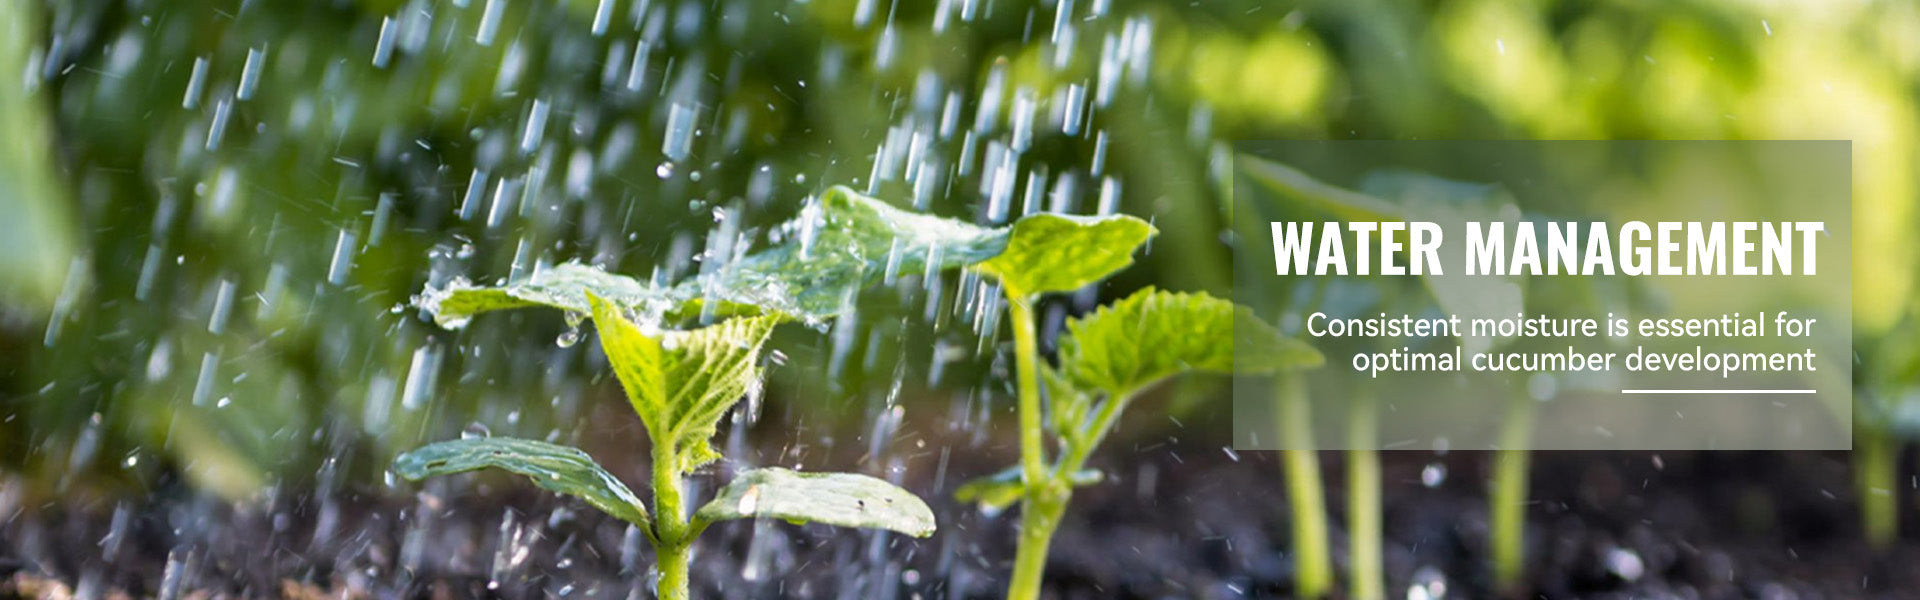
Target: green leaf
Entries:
(1067, 404)
(836, 247)
(557, 468)
(1452, 204)
(842, 499)
(1057, 253)
(38, 245)
(1003, 488)
(682, 382)
(564, 287)
(1260, 348)
(1292, 184)
(1401, 195)
(1155, 334)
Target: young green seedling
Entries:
(1105, 360)
(847, 240)
(681, 383)
(1414, 197)
(1886, 415)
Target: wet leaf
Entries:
(1004, 487)
(838, 246)
(1291, 184)
(556, 468)
(563, 287)
(1401, 195)
(993, 492)
(1259, 347)
(1154, 334)
(682, 382)
(1066, 402)
(1452, 204)
(842, 499)
(37, 241)
(1049, 252)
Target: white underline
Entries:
(1719, 391)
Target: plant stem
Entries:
(670, 524)
(1046, 496)
(1026, 356)
(673, 570)
(1312, 563)
(1039, 518)
(1364, 531)
(1876, 462)
(1508, 497)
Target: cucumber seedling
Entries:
(840, 243)
(1106, 359)
(682, 382)
(1395, 195)
(1886, 417)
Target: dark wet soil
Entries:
(1181, 521)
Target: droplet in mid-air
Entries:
(1433, 475)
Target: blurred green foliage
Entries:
(210, 275)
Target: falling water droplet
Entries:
(203, 385)
(222, 307)
(343, 250)
(536, 127)
(489, 23)
(679, 139)
(383, 49)
(601, 16)
(1433, 475)
(196, 83)
(250, 73)
(217, 130)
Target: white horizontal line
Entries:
(1719, 391)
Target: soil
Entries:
(1185, 521)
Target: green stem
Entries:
(1508, 497)
(1026, 360)
(1046, 496)
(673, 570)
(1364, 531)
(1026, 356)
(671, 532)
(1081, 444)
(1876, 458)
(1313, 564)
(1039, 518)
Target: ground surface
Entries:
(1189, 522)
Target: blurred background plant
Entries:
(219, 211)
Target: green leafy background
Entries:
(178, 304)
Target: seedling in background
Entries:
(1106, 359)
(1414, 197)
(1886, 418)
